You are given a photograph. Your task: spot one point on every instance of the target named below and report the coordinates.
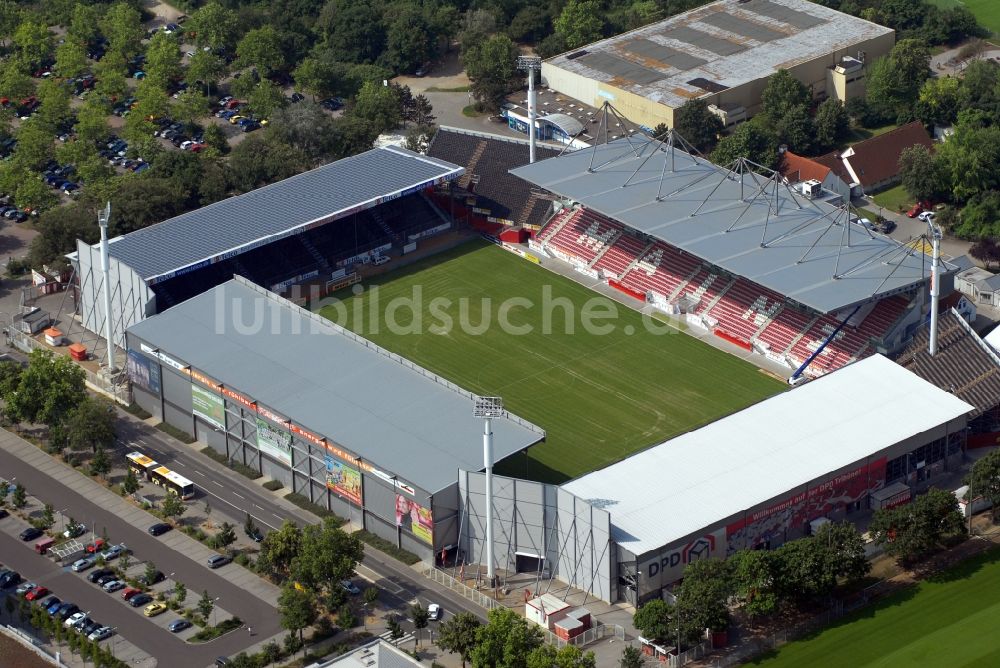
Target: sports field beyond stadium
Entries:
(987, 12)
(950, 620)
(600, 395)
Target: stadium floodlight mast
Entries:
(935, 235)
(489, 408)
(103, 217)
(531, 64)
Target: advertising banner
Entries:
(668, 566)
(414, 518)
(794, 512)
(274, 441)
(142, 372)
(343, 479)
(208, 405)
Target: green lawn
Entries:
(893, 198)
(948, 621)
(986, 11)
(599, 397)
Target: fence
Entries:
(31, 643)
(473, 595)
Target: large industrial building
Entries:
(865, 437)
(356, 429)
(722, 53)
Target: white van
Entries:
(380, 259)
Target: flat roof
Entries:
(387, 410)
(722, 45)
(804, 249)
(244, 222)
(677, 488)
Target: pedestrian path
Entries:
(405, 638)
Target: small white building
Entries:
(981, 286)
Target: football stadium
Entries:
(638, 309)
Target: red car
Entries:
(96, 546)
(915, 210)
(130, 592)
(36, 593)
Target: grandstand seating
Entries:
(620, 255)
(584, 235)
(745, 308)
(662, 269)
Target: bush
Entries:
(305, 504)
(243, 560)
(242, 469)
(179, 434)
(138, 411)
(212, 632)
(383, 545)
(273, 485)
(346, 618)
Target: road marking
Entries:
(239, 495)
(278, 516)
(218, 483)
(200, 473)
(178, 462)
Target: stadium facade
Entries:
(721, 53)
(352, 427)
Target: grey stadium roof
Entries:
(747, 224)
(390, 412)
(727, 43)
(261, 216)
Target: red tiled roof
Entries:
(877, 159)
(797, 168)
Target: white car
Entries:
(74, 531)
(927, 216)
(101, 633)
(24, 588)
(434, 611)
(74, 618)
(113, 586)
(81, 565)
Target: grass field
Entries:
(599, 397)
(950, 621)
(893, 198)
(986, 11)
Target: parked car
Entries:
(24, 588)
(31, 533)
(927, 216)
(53, 606)
(130, 592)
(113, 552)
(218, 560)
(104, 579)
(81, 565)
(67, 609)
(89, 626)
(9, 579)
(96, 546)
(255, 535)
(154, 609)
(140, 600)
(178, 625)
(74, 618)
(350, 587)
(111, 586)
(152, 579)
(36, 594)
(434, 611)
(101, 572)
(101, 634)
(159, 529)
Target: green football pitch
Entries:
(987, 12)
(950, 620)
(599, 396)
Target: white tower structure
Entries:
(489, 408)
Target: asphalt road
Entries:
(141, 632)
(233, 494)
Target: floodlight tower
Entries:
(489, 408)
(103, 217)
(935, 234)
(531, 64)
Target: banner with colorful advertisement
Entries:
(343, 479)
(142, 372)
(762, 525)
(208, 405)
(275, 441)
(414, 518)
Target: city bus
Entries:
(173, 482)
(141, 465)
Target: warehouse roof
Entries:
(238, 224)
(386, 410)
(722, 45)
(763, 452)
(742, 222)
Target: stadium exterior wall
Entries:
(131, 298)
(230, 424)
(843, 494)
(539, 529)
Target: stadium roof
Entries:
(722, 45)
(238, 224)
(387, 410)
(747, 224)
(668, 492)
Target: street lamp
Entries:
(530, 64)
(214, 607)
(935, 234)
(489, 408)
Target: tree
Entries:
(654, 619)
(407, 40)
(894, 82)
(306, 127)
(51, 386)
(843, 550)
(122, 25)
(226, 535)
(172, 506)
(111, 73)
(261, 48)
(939, 101)
(920, 173)
(747, 141)
(163, 60)
(297, 609)
(783, 93)
(702, 597)
(492, 68)
(631, 658)
(100, 464)
(579, 23)
(378, 105)
(149, 573)
(205, 605)
(326, 555)
(568, 656)
(130, 485)
(795, 129)
(984, 477)
(91, 122)
(458, 635)
(279, 548)
(316, 77)
(505, 641)
(352, 32)
(753, 582)
(395, 631)
(34, 146)
(213, 25)
(259, 160)
(418, 139)
(369, 595)
(33, 41)
(71, 59)
(266, 98)
(124, 562)
(91, 425)
(697, 125)
(910, 532)
(420, 618)
(32, 192)
(832, 123)
(84, 24)
(10, 18)
(48, 515)
(207, 68)
(987, 251)
(249, 528)
(4, 491)
(190, 106)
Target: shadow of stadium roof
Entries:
(746, 224)
(238, 224)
